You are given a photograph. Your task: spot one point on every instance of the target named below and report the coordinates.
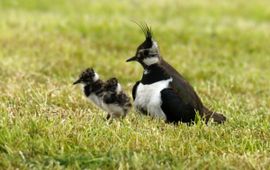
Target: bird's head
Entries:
(112, 85)
(88, 76)
(147, 53)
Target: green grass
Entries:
(221, 47)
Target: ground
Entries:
(221, 48)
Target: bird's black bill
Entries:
(76, 82)
(132, 59)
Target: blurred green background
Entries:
(221, 47)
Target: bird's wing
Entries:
(122, 98)
(174, 107)
(134, 90)
(182, 88)
(109, 98)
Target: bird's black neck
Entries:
(154, 73)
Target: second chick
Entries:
(115, 101)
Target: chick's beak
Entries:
(132, 59)
(77, 81)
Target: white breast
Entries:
(95, 99)
(148, 97)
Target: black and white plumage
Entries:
(92, 86)
(106, 95)
(163, 92)
(116, 102)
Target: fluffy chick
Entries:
(115, 100)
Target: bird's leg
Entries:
(117, 115)
(108, 116)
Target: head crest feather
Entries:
(145, 29)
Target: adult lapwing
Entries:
(163, 92)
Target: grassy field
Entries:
(221, 47)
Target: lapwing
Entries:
(115, 100)
(107, 95)
(163, 92)
(92, 86)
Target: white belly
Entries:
(113, 109)
(148, 97)
(96, 100)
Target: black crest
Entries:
(89, 72)
(87, 76)
(146, 30)
(148, 35)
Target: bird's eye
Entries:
(145, 52)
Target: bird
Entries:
(92, 86)
(107, 95)
(162, 91)
(115, 100)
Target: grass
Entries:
(221, 47)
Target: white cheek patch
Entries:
(155, 45)
(82, 85)
(150, 60)
(118, 89)
(96, 77)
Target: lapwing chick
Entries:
(92, 86)
(163, 92)
(115, 101)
